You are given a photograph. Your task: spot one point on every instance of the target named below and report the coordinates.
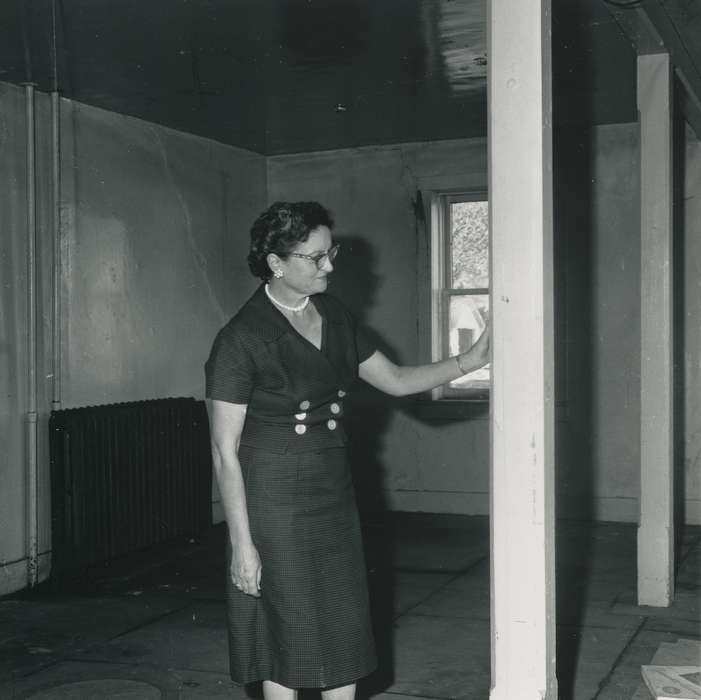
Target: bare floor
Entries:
(152, 624)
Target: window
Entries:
(460, 284)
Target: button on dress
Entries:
(311, 626)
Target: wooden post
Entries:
(656, 528)
(522, 476)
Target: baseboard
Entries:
(615, 509)
(13, 576)
(612, 509)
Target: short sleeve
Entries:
(229, 370)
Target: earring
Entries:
(278, 273)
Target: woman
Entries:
(276, 379)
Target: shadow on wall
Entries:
(574, 350)
(355, 282)
(679, 340)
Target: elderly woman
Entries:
(277, 377)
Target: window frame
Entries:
(441, 294)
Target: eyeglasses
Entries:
(320, 259)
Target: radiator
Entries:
(126, 476)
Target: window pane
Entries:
(468, 316)
(469, 242)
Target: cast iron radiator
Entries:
(125, 476)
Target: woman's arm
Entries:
(384, 375)
(226, 424)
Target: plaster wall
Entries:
(422, 464)
(599, 217)
(156, 228)
(154, 222)
(402, 459)
(597, 230)
(153, 262)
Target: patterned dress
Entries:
(311, 626)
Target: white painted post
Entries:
(522, 402)
(656, 528)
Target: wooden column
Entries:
(522, 441)
(656, 529)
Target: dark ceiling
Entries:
(280, 76)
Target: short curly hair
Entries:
(280, 228)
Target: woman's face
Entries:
(302, 275)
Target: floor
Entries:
(152, 624)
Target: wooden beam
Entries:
(656, 528)
(522, 508)
(651, 30)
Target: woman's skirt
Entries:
(311, 626)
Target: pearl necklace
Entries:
(299, 307)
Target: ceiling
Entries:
(282, 76)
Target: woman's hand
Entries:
(246, 569)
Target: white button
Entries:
(300, 429)
(335, 408)
(341, 393)
(300, 416)
(304, 405)
(331, 424)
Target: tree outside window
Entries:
(464, 303)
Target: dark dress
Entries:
(311, 626)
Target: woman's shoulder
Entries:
(236, 326)
(230, 337)
(251, 323)
(241, 330)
